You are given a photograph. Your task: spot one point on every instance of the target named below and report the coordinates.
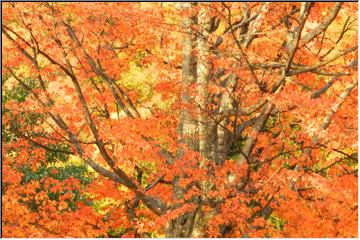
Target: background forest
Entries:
(179, 119)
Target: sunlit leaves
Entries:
(103, 83)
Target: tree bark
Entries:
(223, 135)
(202, 83)
(259, 124)
(187, 127)
(338, 103)
(182, 226)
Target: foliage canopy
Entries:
(179, 119)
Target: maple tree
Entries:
(179, 119)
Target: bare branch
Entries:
(323, 63)
(261, 85)
(322, 26)
(99, 72)
(322, 90)
(259, 124)
(293, 43)
(338, 103)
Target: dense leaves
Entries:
(179, 119)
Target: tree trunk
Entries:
(225, 107)
(187, 128)
(182, 226)
(202, 83)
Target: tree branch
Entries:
(338, 103)
(323, 63)
(259, 124)
(293, 43)
(322, 90)
(322, 26)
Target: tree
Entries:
(188, 119)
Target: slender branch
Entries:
(261, 85)
(258, 126)
(345, 29)
(150, 186)
(293, 43)
(337, 104)
(322, 26)
(42, 145)
(154, 204)
(322, 90)
(73, 138)
(98, 71)
(323, 63)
